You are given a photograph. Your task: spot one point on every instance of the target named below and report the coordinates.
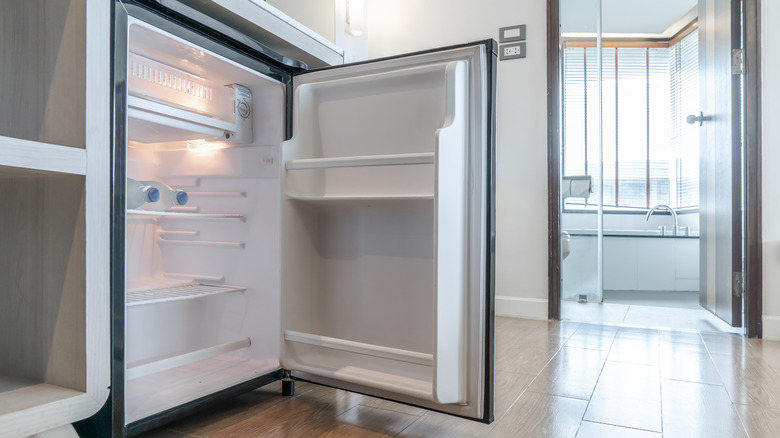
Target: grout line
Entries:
(622, 427)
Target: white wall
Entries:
(400, 26)
(317, 15)
(406, 25)
(771, 159)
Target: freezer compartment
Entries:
(42, 288)
(375, 162)
(178, 92)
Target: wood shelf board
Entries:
(27, 154)
(19, 394)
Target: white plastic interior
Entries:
(202, 279)
(376, 207)
(380, 182)
(175, 94)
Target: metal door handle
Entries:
(692, 119)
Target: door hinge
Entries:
(737, 62)
(738, 284)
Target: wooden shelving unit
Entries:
(54, 231)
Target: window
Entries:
(651, 156)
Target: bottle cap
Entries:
(152, 194)
(182, 197)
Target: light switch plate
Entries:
(511, 51)
(511, 33)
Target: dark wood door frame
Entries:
(553, 159)
(752, 163)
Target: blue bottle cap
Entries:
(182, 197)
(152, 194)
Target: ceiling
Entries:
(623, 16)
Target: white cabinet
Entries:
(54, 223)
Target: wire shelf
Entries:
(181, 291)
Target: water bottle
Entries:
(139, 194)
(169, 197)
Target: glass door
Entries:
(581, 153)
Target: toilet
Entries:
(565, 241)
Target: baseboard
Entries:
(530, 308)
(771, 327)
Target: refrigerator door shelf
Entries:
(385, 207)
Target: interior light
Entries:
(204, 148)
(355, 17)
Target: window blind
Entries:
(650, 155)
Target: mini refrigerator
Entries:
(338, 225)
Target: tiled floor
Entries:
(553, 379)
(664, 316)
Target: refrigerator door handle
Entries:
(451, 249)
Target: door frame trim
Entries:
(553, 159)
(752, 164)
(751, 31)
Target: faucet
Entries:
(663, 206)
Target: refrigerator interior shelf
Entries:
(175, 292)
(153, 122)
(360, 348)
(186, 214)
(204, 242)
(217, 194)
(136, 370)
(401, 202)
(146, 396)
(362, 199)
(360, 161)
(199, 278)
(185, 208)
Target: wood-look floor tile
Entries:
(671, 347)
(541, 415)
(512, 332)
(364, 421)
(237, 409)
(733, 345)
(748, 381)
(676, 337)
(572, 373)
(392, 406)
(597, 329)
(589, 429)
(693, 410)
(592, 337)
(508, 387)
(640, 350)
(164, 433)
(555, 331)
(511, 323)
(679, 363)
(647, 335)
(627, 395)
(524, 360)
(769, 351)
(436, 425)
(760, 422)
(310, 414)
